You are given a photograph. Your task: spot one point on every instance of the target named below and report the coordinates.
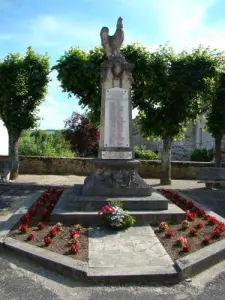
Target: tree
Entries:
(83, 136)
(80, 75)
(23, 86)
(215, 117)
(167, 88)
(175, 86)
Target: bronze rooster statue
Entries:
(112, 43)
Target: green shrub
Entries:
(44, 144)
(204, 155)
(145, 154)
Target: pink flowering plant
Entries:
(115, 217)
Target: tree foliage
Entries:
(80, 75)
(23, 85)
(215, 117)
(82, 135)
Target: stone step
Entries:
(172, 214)
(72, 199)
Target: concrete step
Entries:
(172, 214)
(72, 199)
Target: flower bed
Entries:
(36, 229)
(196, 232)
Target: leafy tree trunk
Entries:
(166, 161)
(218, 139)
(13, 153)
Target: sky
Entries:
(53, 26)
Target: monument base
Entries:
(116, 178)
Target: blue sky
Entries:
(53, 26)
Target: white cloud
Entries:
(182, 23)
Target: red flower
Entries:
(220, 226)
(201, 212)
(44, 214)
(74, 248)
(216, 234)
(74, 232)
(40, 225)
(24, 228)
(169, 233)
(181, 241)
(199, 225)
(53, 231)
(47, 241)
(193, 232)
(212, 220)
(77, 227)
(186, 248)
(26, 218)
(191, 216)
(33, 211)
(106, 207)
(32, 236)
(185, 224)
(206, 240)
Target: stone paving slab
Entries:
(137, 248)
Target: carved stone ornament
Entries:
(112, 44)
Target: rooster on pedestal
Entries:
(112, 43)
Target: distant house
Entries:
(4, 139)
(195, 137)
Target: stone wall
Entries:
(83, 166)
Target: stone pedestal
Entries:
(116, 178)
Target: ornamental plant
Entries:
(193, 232)
(59, 226)
(185, 224)
(212, 220)
(201, 212)
(216, 234)
(31, 236)
(74, 248)
(115, 217)
(77, 227)
(181, 241)
(23, 228)
(199, 225)
(47, 240)
(53, 231)
(221, 226)
(190, 215)
(206, 240)
(74, 232)
(186, 248)
(169, 233)
(40, 225)
(163, 226)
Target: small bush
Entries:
(145, 154)
(204, 155)
(44, 144)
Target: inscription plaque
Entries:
(116, 130)
(116, 155)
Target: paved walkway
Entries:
(136, 250)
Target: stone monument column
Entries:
(115, 169)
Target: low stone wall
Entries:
(82, 166)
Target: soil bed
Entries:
(63, 240)
(195, 242)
